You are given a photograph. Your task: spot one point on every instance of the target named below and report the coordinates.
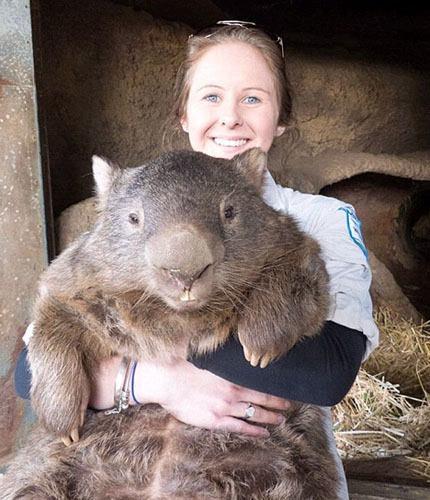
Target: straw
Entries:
(403, 354)
(376, 420)
(382, 416)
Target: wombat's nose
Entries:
(185, 280)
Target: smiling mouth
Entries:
(230, 143)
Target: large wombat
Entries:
(184, 254)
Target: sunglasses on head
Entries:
(208, 31)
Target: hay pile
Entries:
(403, 355)
(387, 412)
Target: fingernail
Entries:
(281, 419)
(265, 434)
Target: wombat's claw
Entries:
(256, 359)
(251, 357)
(66, 440)
(265, 360)
(73, 438)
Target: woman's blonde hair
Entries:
(198, 44)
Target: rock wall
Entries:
(105, 84)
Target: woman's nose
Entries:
(230, 116)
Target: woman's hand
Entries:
(196, 397)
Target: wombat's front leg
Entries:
(59, 355)
(289, 302)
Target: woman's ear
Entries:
(184, 124)
(280, 129)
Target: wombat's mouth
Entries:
(180, 305)
(183, 291)
(189, 299)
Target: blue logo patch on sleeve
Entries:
(353, 224)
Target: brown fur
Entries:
(118, 290)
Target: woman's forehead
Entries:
(228, 64)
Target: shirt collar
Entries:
(270, 194)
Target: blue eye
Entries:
(211, 98)
(252, 100)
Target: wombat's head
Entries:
(186, 227)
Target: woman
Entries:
(232, 95)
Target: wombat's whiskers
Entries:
(241, 298)
(237, 280)
(234, 295)
(145, 298)
(214, 307)
(241, 277)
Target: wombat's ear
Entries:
(104, 173)
(252, 164)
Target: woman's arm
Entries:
(319, 370)
(196, 397)
(214, 391)
(22, 376)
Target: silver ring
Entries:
(249, 412)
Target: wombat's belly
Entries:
(166, 459)
(147, 454)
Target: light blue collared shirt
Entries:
(336, 227)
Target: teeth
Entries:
(187, 296)
(229, 143)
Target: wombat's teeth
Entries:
(187, 296)
(230, 143)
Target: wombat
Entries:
(183, 254)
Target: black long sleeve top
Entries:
(318, 370)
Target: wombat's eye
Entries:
(133, 218)
(229, 212)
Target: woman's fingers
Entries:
(261, 399)
(260, 415)
(232, 424)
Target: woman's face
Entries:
(232, 104)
